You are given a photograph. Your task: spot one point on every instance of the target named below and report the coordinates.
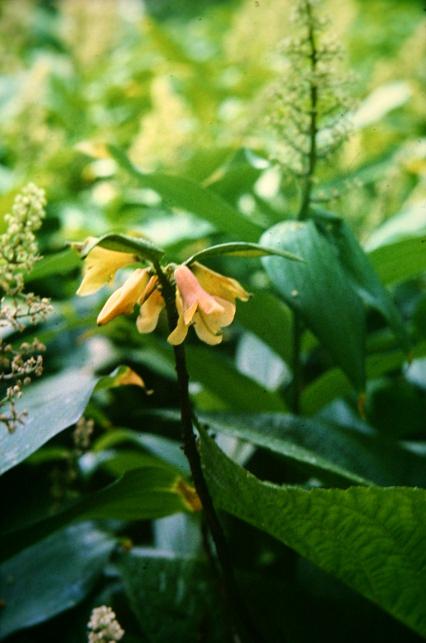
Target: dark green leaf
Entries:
(141, 494)
(123, 243)
(334, 453)
(59, 263)
(188, 195)
(371, 538)
(320, 291)
(362, 274)
(173, 597)
(51, 576)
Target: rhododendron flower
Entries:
(207, 311)
(100, 267)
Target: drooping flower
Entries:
(100, 267)
(124, 299)
(151, 308)
(207, 310)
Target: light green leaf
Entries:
(321, 292)
(52, 576)
(52, 405)
(371, 538)
(59, 263)
(400, 261)
(188, 195)
(241, 249)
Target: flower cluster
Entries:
(103, 626)
(18, 254)
(314, 99)
(204, 299)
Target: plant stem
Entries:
(243, 623)
(305, 203)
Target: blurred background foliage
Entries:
(190, 89)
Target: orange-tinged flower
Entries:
(218, 285)
(208, 313)
(124, 299)
(100, 267)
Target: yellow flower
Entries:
(151, 308)
(124, 299)
(208, 311)
(100, 267)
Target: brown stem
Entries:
(245, 628)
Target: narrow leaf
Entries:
(241, 249)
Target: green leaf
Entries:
(141, 494)
(188, 195)
(240, 249)
(332, 384)
(123, 243)
(371, 538)
(400, 261)
(52, 405)
(52, 576)
(320, 291)
(236, 390)
(362, 274)
(271, 320)
(333, 453)
(173, 597)
(59, 263)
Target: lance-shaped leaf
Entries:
(371, 538)
(241, 249)
(362, 274)
(321, 292)
(52, 576)
(122, 243)
(188, 195)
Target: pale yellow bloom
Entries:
(124, 299)
(100, 267)
(151, 308)
(208, 313)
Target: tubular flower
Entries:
(208, 310)
(124, 299)
(100, 267)
(153, 304)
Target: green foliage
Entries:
(185, 133)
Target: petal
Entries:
(178, 335)
(218, 285)
(205, 332)
(123, 300)
(150, 312)
(193, 295)
(100, 267)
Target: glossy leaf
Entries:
(371, 538)
(51, 576)
(52, 405)
(320, 291)
(188, 195)
(240, 249)
(336, 454)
